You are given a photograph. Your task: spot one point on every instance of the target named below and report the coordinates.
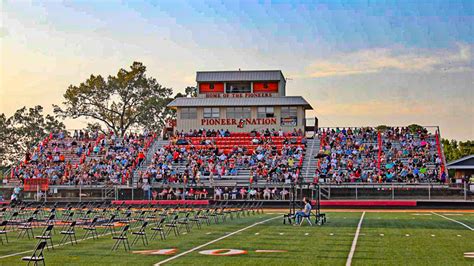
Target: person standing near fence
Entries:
(146, 190)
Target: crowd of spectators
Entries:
(84, 158)
(410, 157)
(354, 155)
(184, 162)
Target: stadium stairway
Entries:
(157, 144)
(310, 162)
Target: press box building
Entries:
(240, 101)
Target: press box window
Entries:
(211, 112)
(289, 112)
(238, 112)
(264, 112)
(188, 113)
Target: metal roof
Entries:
(239, 75)
(256, 101)
(463, 163)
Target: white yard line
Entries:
(213, 241)
(447, 218)
(354, 242)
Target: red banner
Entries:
(379, 155)
(440, 154)
(35, 184)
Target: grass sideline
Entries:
(386, 238)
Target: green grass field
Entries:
(385, 238)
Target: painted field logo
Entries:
(223, 252)
(169, 251)
(233, 252)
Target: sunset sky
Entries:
(357, 62)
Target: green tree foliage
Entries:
(454, 150)
(415, 128)
(24, 130)
(128, 100)
(188, 92)
(382, 128)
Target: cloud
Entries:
(384, 59)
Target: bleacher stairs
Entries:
(157, 144)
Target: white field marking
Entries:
(282, 234)
(422, 214)
(214, 241)
(270, 250)
(453, 214)
(354, 242)
(57, 245)
(459, 235)
(447, 218)
(469, 255)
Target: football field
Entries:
(348, 238)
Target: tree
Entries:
(24, 130)
(188, 92)
(415, 128)
(128, 100)
(454, 150)
(382, 128)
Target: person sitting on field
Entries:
(305, 212)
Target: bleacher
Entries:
(238, 149)
(369, 155)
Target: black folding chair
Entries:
(91, 229)
(205, 216)
(158, 229)
(195, 220)
(141, 233)
(67, 220)
(51, 219)
(173, 226)
(3, 231)
(46, 235)
(26, 228)
(110, 225)
(13, 220)
(70, 233)
(37, 255)
(184, 222)
(122, 238)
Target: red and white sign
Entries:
(233, 121)
(238, 95)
